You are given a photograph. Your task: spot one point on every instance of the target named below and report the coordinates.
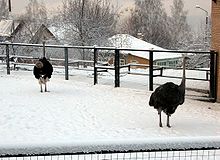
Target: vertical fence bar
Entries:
(95, 69)
(151, 58)
(9, 5)
(212, 85)
(7, 58)
(66, 63)
(44, 50)
(117, 68)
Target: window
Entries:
(122, 62)
(134, 61)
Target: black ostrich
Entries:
(168, 97)
(43, 71)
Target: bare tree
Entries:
(150, 20)
(179, 27)
(31, 20)
(87, 22)
(4, 11)
(35, 15)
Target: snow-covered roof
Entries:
(42, 33)
(7, 27)
(58, 32)
(128, 41)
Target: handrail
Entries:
(102, 48)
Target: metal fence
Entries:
(182, 148)
(169, 154)
(117, 66)
(165, 155)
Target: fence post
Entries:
(66, 63)
(151, 58)
(95, 69)
(161, 71)
(212, 85)
(7, 58)
(117, 68)
(44, 50)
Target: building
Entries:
(215, 40)
(20, 32)
(42, 34)
(10, 29)
(17, 31)
(142, 57)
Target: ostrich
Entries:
(43, 71)
(168, 97)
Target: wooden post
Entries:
(95, 69)
(212, 89)
(7, 58)
(66, 64)
(44, 50)
(161, 71)
(151, 59)
(9, 5)
(129, 68)
(117, 68)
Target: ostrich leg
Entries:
(40, 82)
(41, 89)
(45, 87)
(168, 121)
(160, 121)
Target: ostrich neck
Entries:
(182, 85)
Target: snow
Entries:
(77, 116)
(128, 41)
(113, 145)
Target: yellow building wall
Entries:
(138, 60)
(132, 59)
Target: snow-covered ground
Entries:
(77, 112)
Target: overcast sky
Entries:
(196, 16)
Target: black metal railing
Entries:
(117, 66)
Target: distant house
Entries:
(16, 31)
(168, 62)
(42, 34)
(10, 29)
(142, 57)
(19, 32)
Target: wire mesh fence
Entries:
(157, 155)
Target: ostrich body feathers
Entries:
(167, 97)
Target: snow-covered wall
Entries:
(100, 146)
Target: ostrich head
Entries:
(39, 64)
